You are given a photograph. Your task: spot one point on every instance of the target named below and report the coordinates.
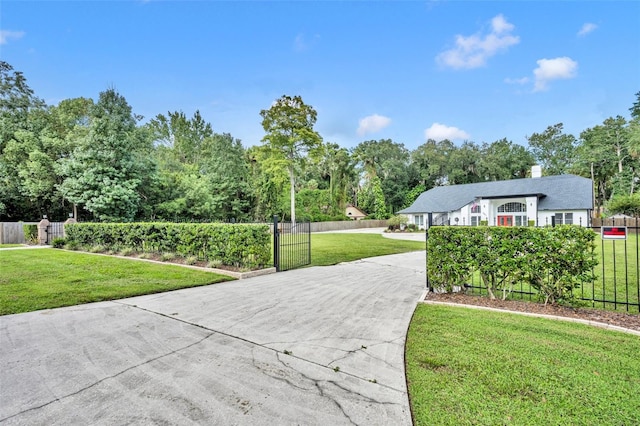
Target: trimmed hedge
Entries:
(553, 261)
(240, 245)
(30, 233)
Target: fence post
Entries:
(42, 231)
(426, 245)
(276, 244)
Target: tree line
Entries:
(98, 161)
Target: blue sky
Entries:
(464, 70)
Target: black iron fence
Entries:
(291, 244)
(616, 283)
(54, 230)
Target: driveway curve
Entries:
(314, 346)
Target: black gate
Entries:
(291, 244)
(617, 284)
(54, 230)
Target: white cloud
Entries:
(439, 132)
(474, 50)
(523, 80)
(553, 69)
(372, 124)
(6, 35)
(586, 29)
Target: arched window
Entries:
(475, 208)
(512, 208)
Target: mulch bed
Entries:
(620, 319)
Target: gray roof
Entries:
(564, 192)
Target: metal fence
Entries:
(616, 283)
(54, 230)
(291, 244)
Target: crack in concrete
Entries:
(212, 332)
(104, 379)
(255, 314)
(322, 393)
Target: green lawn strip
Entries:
(331, 249)
(41, 279)
(475, 367)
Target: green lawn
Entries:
(10, 245)
(471, 367)
(47, 278)
(330, 249)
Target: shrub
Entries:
(58, 242)
(167, 256)
(30, 233)
(625, 204)
(395, 222)
(126, 251)
(215, 263)
(241, 245)
(553, 261)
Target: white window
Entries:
(512, 208)
(558, 218)
(568, 218)
(564, 218)
(475, 208)
(521, 220)
(418, 220)
(475, 220)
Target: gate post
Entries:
(43, 235)
(276, 244)
(426, 244)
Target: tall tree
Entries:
(606, 156)
(288, 125)
(16, 101)
(183, 136)
(433, 162)
(390, 162)
(504, 160)
(553, 149)
(464, 164)
(105, 172)
(227, 171)
(635, 108)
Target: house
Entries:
(539, 201)
(354, 213)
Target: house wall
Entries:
(580, 217)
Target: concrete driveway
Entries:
(322, 345)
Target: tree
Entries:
(464, 164)
(226, 169)
(433, 162)
(288, 125)
(635, 109)
(504, 160)
(16, 101)
(105, 172)
(390, 162)
(554, 150)
(371, 199)
(183, 137)
(606, 155)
